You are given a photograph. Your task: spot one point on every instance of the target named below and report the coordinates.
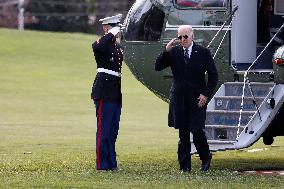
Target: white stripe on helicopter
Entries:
(197, 27)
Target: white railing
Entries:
(246, 81)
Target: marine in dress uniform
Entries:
(106, 92)
(189, 93)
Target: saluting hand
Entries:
(170, 45)
(202, 100)
(115, 30)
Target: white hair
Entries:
(187, 28)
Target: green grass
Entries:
(48, 126)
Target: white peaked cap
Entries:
(111, 19)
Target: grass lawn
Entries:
(47, 126)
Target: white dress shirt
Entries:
(189, 50)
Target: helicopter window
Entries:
(278, 7)
(201, 3)
(147, 27)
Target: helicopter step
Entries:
(236, 89)
(226, 129)
(234, 103)
(227, 117)
(222, 133)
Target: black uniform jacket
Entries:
(189, 82)
(108, 55)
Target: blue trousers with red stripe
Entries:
(108, 117)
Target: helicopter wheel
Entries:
(268, 140)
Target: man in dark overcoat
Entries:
(106, 92)
(190, 92)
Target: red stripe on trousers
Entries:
(99, 134)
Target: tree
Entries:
(109, 8)
(61, 15)
(74, 15)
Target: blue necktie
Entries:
(186, 56)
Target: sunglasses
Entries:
(184, 36)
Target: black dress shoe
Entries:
(185, 170)
(206, 164)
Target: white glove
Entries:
(114, 31)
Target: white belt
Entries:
(109, 72)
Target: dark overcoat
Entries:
(108, 55)
(189, 81)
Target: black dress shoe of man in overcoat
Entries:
(206, 164)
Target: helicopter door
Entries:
(244, 32)
(268, 15)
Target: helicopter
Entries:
(246, 41)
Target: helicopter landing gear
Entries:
(268, 140)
